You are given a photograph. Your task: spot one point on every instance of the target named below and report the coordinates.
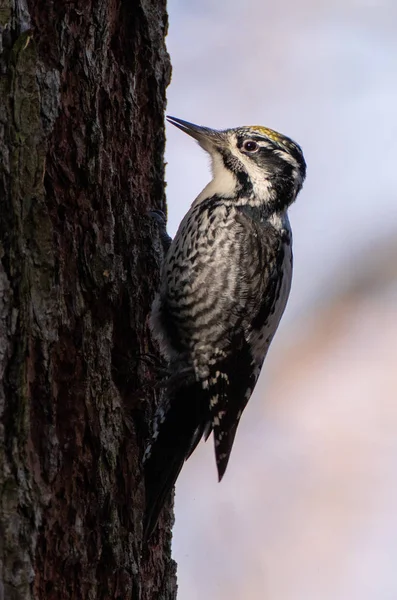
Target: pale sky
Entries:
(323, 73)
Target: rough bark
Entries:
(82, 96)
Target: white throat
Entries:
(224, 182)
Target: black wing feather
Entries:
(229, 382)
(182, 428)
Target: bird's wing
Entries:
(232, 378)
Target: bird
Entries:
(224, 285)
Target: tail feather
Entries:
(179, 433)
(230, 385)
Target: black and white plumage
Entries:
(224, 287)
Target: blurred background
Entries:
(308, 507)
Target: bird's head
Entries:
(251, 162)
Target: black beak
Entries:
(205, 136)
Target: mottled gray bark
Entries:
(82, 96)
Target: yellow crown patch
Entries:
(270, 133)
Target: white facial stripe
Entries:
(258, 175)
(264, 144)
(287, 157)
(284, 154)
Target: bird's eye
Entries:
(250, 146)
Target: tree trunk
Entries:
(82, 96)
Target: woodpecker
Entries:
(224, 286)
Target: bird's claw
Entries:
(159, 216)
(161, 220)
